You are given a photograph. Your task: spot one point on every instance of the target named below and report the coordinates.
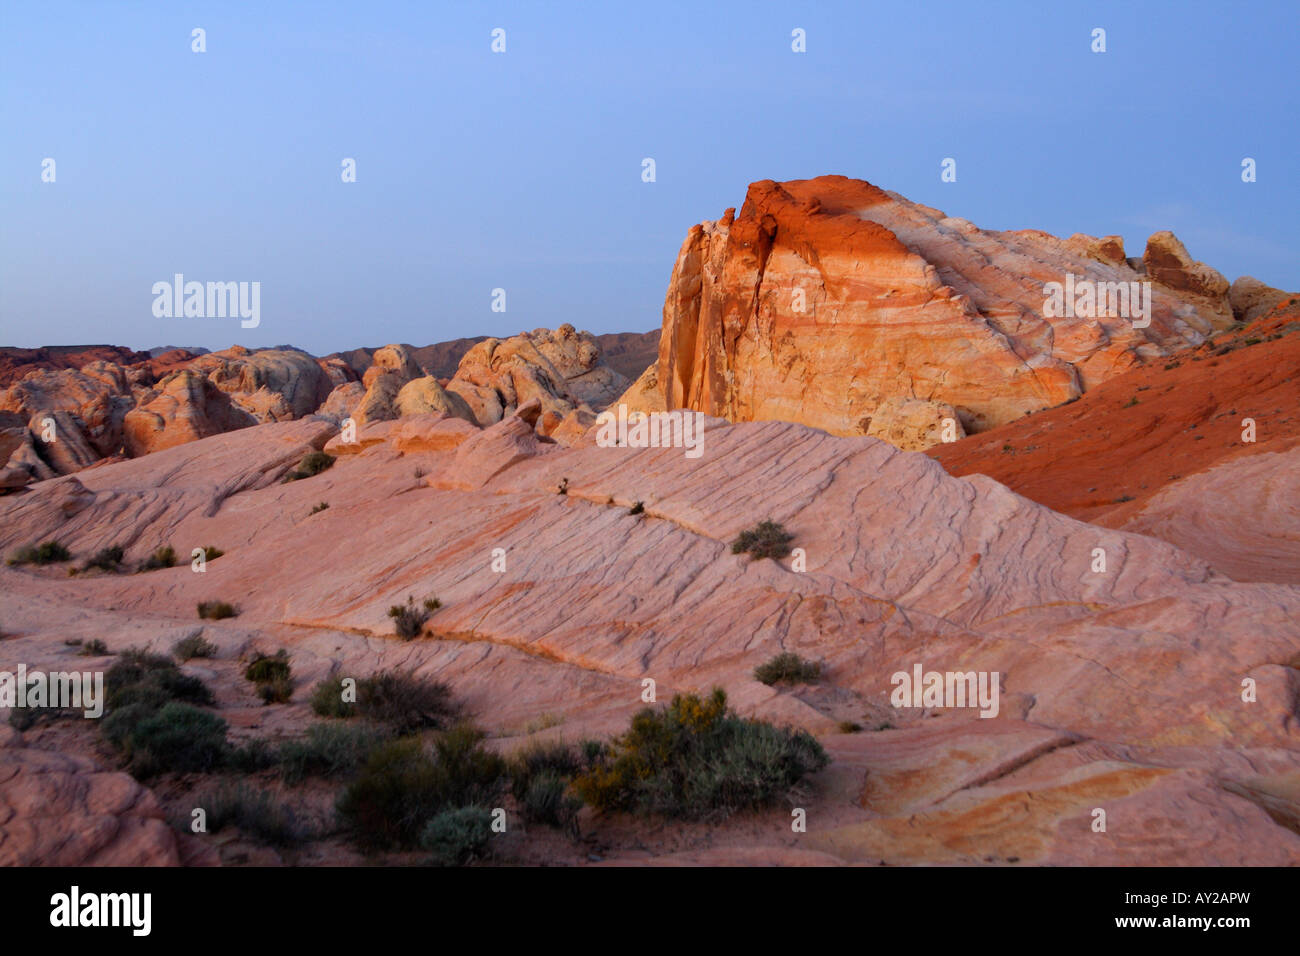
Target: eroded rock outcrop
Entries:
(825, 299)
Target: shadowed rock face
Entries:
(831, 302)
(1120, 688)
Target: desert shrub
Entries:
(320, 507)
(696, 759)
(47, 552)
(455, 837)
(402, 786)
(93, 648)
(137, 677)
(211, 553)
(253, 756)
(255, 812)
(547, 801)
(265, 668)
(216, 610)
(637, 509)
(278, 690)
(196, 645)
(106, 559)
(313, 463)
(328, 750)
(176, 737)
(327, 699)
(555, 759)
(164, 557)
(767, 539)
(788, 668)
(406, 703)
(411, 617)
(849, 727)
(563, 487)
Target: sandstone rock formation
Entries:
(826, 298)
(103, 409)
(1120, 688)
(184, 407)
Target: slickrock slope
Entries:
(836, 304)
(1162, 450)
(1121, 689)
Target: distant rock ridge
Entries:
(61, 414)
(833, 303)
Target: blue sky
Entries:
(522, 170)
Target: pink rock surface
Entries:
(1120, 689)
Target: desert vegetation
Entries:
(787, 668)
(410, 618)
(767, 539)
(696, 759)
(47, 552)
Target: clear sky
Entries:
(522, 170)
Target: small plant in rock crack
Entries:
(47, 552)
(216, 610)
(106, 559)
(563, 488)
(788, 668)
(320, 507)
(164, 557)
(313, 463)
(637, 509)
(410, 617)
(767, 539)
(418, 472)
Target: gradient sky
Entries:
(522, 170)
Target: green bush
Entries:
(788, 668)
(216, 610)
(255, 812)
(164, 557)
(324, 505)
(47, 552)
(278, 690)
(328, 750)
(327, 699)
(94, 648)
(175, 738)
(106, 559)
(196, 645)
(456, 837)
(547, 801)
(313, 463)
(140, 677)
(411, 617)
(695, 759)
(767, 539)
(402, 786)
(406, 703)
(264, 668)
